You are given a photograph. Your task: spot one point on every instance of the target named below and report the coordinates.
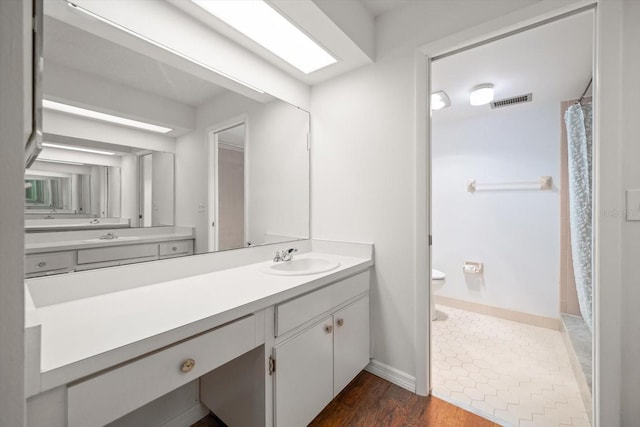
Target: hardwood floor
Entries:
(371, 401)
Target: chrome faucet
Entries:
(108, 236)
(284, 255)
(287, 254)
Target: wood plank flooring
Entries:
(371, 401)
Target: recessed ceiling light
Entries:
(481, 94)
(73, 148)
(439, 100)
(58, 106)
(160, 45)
(264, 25)
(64, 162)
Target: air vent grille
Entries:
(506, 102)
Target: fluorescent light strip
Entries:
(58, 106)
(263, 24)
(64, 162)
(72, 148)
(160, 45)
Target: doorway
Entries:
(227, 187)
(489, 184)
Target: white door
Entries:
(304, 375)
(350, 342)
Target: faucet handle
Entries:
(287, 254)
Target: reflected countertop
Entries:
(85, 239)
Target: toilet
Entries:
(437, 281)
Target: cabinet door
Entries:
(351, 342)
(304, 375)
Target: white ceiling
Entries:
(77, 49)
(553, 61)
(312, 20)
(380, 7)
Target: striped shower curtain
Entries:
(578, 120)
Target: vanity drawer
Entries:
(115, 253)
(183, 247)
(38, 263)
(295, 312)
(105, 398)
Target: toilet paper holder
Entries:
(472, 267)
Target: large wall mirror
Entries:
(135, 146)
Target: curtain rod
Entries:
(585, 91)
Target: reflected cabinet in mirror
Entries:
(146, 158)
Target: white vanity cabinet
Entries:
(55, 262)
(137, 383)
(317, 359)
(49, 263)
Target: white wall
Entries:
(275, 185)
(514, 233)
(163, 185)
(278, 166)
(15, 127)
(129, 188)
(363, 161)
(630, 230)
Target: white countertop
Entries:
(84, 336)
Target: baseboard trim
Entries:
(188, 417)
(502, 313)
(393, 375)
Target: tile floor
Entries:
(512, 373)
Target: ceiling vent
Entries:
(512, 101)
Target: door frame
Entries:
(212, 178)
(516, 22)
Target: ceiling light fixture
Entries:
(64, 162)
(481, 94)
(72, 148)
(160, 45)
(83, 112)
(440, 100)
(264, 25)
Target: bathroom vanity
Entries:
(63, 252)
(267, 349)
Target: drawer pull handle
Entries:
(41, 264)
(175, 248)
(340, 322)
(188, 365)
(328, 328)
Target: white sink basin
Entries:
(301, 267)
(118, 239)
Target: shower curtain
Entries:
(578, 120)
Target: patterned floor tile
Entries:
(515, 372)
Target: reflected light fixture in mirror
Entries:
(64, 162)
(160, 45)
(84, 150)
(266, 26)
(83, 112)
(481, 94)
(439, 100)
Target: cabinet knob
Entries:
(175, 248)
(41, 264)
(328, 328)
(188, 365)
(340, 322)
